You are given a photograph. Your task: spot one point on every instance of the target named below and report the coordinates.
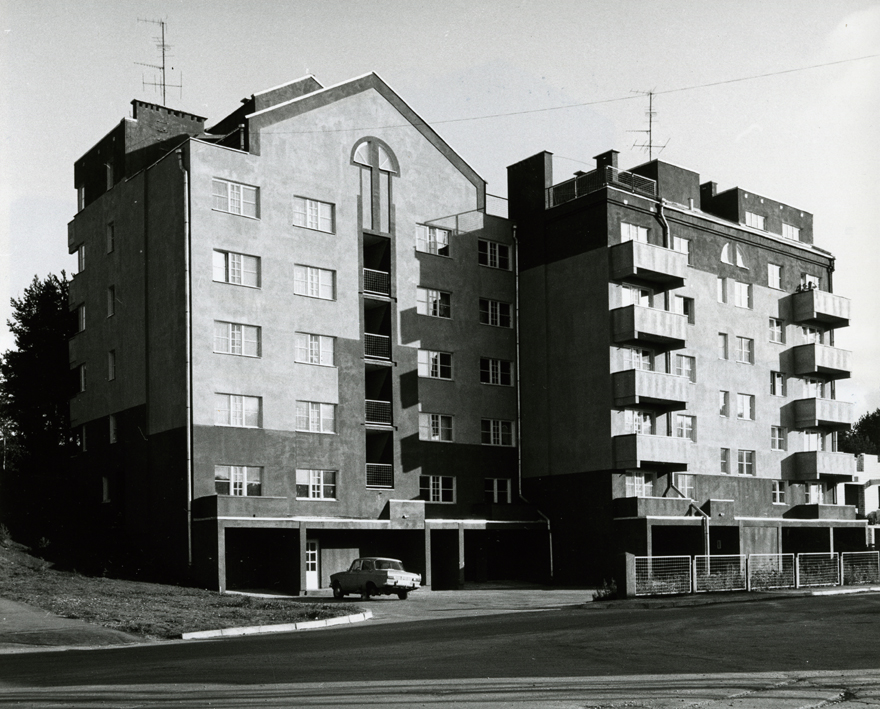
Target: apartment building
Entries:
(678, 369)
(295, 345)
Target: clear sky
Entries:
(808, 138)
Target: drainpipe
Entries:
(667, 238)
(519, 401)
(706, 519)
(187, 281)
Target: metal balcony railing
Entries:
(377, 281)
(377, 346)
(380, 475)
(377, 411)
(596, 180)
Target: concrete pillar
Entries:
(426, 579)
(302, 558)
(626, 587)
(831, 539)
(460, 555)
(221, 558)
(649, 539)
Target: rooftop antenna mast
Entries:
(163, 48)
(649, 145)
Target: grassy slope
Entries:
(148, 609)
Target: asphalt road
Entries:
(520, 655)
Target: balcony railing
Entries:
(380, 475)
(377, 282)
(819, 306)
(377, 346)
(829, 362)
(819, 511)
(637, 323)
(634, 450)
(810, 465)
(377, 411)
(596, 180)
(639, 386)
(650, 506)
(822, 413)
(661, 267)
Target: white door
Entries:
(312, 578)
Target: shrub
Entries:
(608, 592)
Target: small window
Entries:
(639, 484)
(493, 254)
(745, 350)
(809, 282)
(777, 383)
(435, 427)
(756, 221)
(80, 198)
(111, 237)
(745, 462)
(315, 484)
(683, 246)
(437, 488)
(774, 276)
(722, 290)
(724, 403)
(686, 366)
(314, 282)
(238, 410)
(81, 378)
(813, 493)
(778, 492)
(315, 417)
(684, 306)
(725, 461)
(499, 490)
(725, 254)
(235, 198)
(496, 313)
(812, 335)
(312, 214)
(236, 269)
(685, 484)
(777, 331)
(435, 303)
(723, 351)
(80, 258)
(81, 318)
(742, 294)
(236, 339)
(638, 358)
(239, 480)
(638, 421)
(745, 407)
(432, 240)
(315, 349)
(111, 301)
(777, 438)
(791, 232)
(685, 427)
(111, 365)
(112, 426)
(496, 371)
(435, 365)
(494, 432)
(633, 232)
(636, 295)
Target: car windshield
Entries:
(389, 564)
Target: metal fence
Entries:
(819, 569)
(377, 411)
(380, 475)
(378, 346)
(722, 572)
(597, 179)
(767, 571)
(377, 281)
(657, 575)
(858, 567)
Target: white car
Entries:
(375, 576)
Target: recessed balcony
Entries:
(819, 307)
(380, 475)
(377, 346)
(650, 507)
(832, 512)
(655, 265)
(377, 282)
(639, 324)
(814, 465)
(640, 386)
(822, 413)
(637, 450)
(377, 412)
(821, 360)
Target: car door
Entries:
(349, 580)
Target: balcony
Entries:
(813, 465)
(832, 512)
(638, 324)
(377, 412)
(597, 179)
(214, 506)
(822, 360)
(380, 475)
(819, 307)
(377, 282)
(377, 346)
(639, 386)
(663, 268)
(637, 450)
(650, 506)
(822, 413)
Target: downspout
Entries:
(519, 399)
(706, 519)
(667, 238)
(187, 281)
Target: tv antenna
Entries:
(163, 48)
(649, 144)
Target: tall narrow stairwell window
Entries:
(377, 164)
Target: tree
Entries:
(863, 436)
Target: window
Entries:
(816, 388)
(745, 462)
(686, 366)
(499, 490)
(683, 246)
(743, 294)
(745, 350)
(311, 214)
(493, 254)
(812, 494)
(809, 282)
(812, 335)
(725, 460)
(243, 480)
(237, 410)
(722, 290)
(496, 371)
(724, 403)
(777, 331)
(111, 365)
(729, 252)
(435, 427)
(637, 421)
(80, 198)
(790, 232)
(774, 276)
(435, 303)
(81, 378)
(494, 312)
(377, 164)
(723, 352)
(234, 198)
(814, 441)
(314, 282)
(496, 433)
(685, 427)
(315, 417)
(777, 438)
(110, 233)
(639, 484)
(432, 240)
(756, 221)
(80, 258)
(105, 489)
(685, 484)
(684, 306)
(745, 407)
(111, 301)
(435, 365)
(632, 232)
(111, 420)
(778, 492)
(236, 269)
(81, 318)
(108, 175)
(236, 339)
(634, 295)
(315, 484)
(437, 488)
(638, 358)
(315, 349)
(777, 383)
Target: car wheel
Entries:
(337, 591)
(402, 595)
(369, 590)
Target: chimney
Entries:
(708, 190)
(608, 159)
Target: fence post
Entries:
(797, 570)
(748, 573)
(627, 575)
(694, 574)
(840, 569)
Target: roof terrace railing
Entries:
(596, 180)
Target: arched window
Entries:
(377, 164)
(728, 254)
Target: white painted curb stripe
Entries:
(282, 628)
(841, 591)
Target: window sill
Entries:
(318, 499)
(491, 384)
(428, 253)
(233, 354)
(316, 297)
(433, 440)
(315, 364)
(232, 425)
(234, 214)
(241, 285)
(438, 379)
(308, 228)
(324, 433)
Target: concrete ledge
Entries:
(840, 591)
(282, 628)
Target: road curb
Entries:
(281, 628)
